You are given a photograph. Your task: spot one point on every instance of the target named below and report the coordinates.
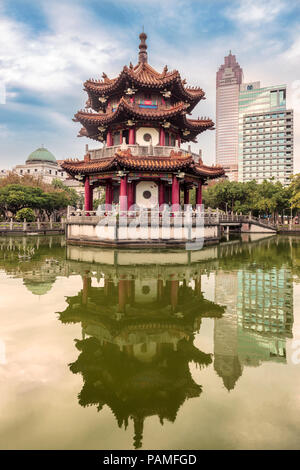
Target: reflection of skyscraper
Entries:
(265, 301)
(257, 320)
(229, 78)
(226, 360)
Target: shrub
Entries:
(25, 213)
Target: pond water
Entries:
(107, 349)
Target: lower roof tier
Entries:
(124, 160)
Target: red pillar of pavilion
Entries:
(130, 190)
(123, 194)
(162, 137)
(108, 195)
(175, 194)
(109, 139)
(179, 140)
(161, 193)
(199, 193)
(88, 195)
(121, 136)
(186, 195)
(131, 137)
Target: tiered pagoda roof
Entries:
(114, 101)
(124, 160)
(126, 110)
(143, 75)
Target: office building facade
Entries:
(265, 134)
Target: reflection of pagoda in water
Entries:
(257, 321)
(137, 344)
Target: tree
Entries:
(17, 193)
(25, 213)
(295, 192)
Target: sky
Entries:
(48, 49)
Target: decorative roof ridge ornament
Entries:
(143, 56)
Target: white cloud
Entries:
(255, 12)
(55, 61)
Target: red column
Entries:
(175, 193)
(186, 195)
(162, 137)
(121, 137)
(130, 194)
(123, 194)
(131, 137)
(199, 193)
(88, 195)
(178, 140)
(91, 198)
(161, 193)
(109, 139)
(108, 195)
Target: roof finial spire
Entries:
(143, 56)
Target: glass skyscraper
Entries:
(265, 134)
(228, 80)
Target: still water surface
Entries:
(106, 349)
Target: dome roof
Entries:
(41, 155)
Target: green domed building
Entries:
(41, 155)
(43, 164)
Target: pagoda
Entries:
(141, 119)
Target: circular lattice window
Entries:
(147, 137)
(145, 290)
(146, 194)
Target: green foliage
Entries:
(264, 198)
(48, 198)
(295, 191)
(25, 213)
(99, 202)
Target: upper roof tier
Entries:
(129, 112)
(142, 75)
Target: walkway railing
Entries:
(210, 218)
(141, 150)
(12, 226)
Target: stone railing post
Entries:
(24, 225)
(51, 223)
(11, 224)
(63, 223)
(38, 224)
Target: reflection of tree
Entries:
(137, 361)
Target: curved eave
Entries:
(143, 76)
(125, 109)
(126, 161)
